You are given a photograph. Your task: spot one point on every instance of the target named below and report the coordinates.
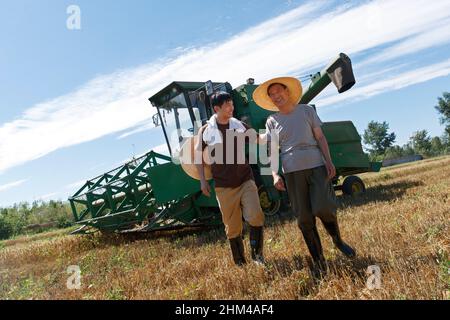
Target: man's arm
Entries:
(265, 137)
(278, 182)
(323, 145)
(262, 138)
(273, 145)
(254, 136)
(199, 163)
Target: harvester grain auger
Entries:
(153, 192)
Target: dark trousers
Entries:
(311, 195)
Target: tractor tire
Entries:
(353, 185)
(270, 208)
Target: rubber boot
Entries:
(333, 230)
(257, 243)
(237, 250)
(314, 245)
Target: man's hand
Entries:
(278, 183)
(262, 138)
(331, 170)
(206, 188)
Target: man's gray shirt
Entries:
(298, 147)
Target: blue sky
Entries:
(74, 102)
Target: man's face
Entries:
(226, 111)
(279, 95)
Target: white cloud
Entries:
(76, 185)
(438, 35)
(382, 73)
(162, 149)
(47, 196)
(145, 127)
(11, 185)
(299, 40)
(402, 80)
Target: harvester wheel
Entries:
(353, 185)
(269, 207)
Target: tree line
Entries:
(380, 142)
(39, 216)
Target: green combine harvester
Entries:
(153, 193)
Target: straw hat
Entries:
(187, 159)
(263, 100)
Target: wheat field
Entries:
(401, 225)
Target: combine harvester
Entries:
(153, 193)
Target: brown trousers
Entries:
(311, 195)
(237, 202)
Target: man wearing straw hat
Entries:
(235, 187)
(306, 163)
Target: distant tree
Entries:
(408, 150)
(53, 204)
(445, 139)
(6, 228)
(421, 142)
(443, 108)
(377, 137)
(394, 152)
(437, 147)
(14, 220)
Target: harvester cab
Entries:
(182, 108)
